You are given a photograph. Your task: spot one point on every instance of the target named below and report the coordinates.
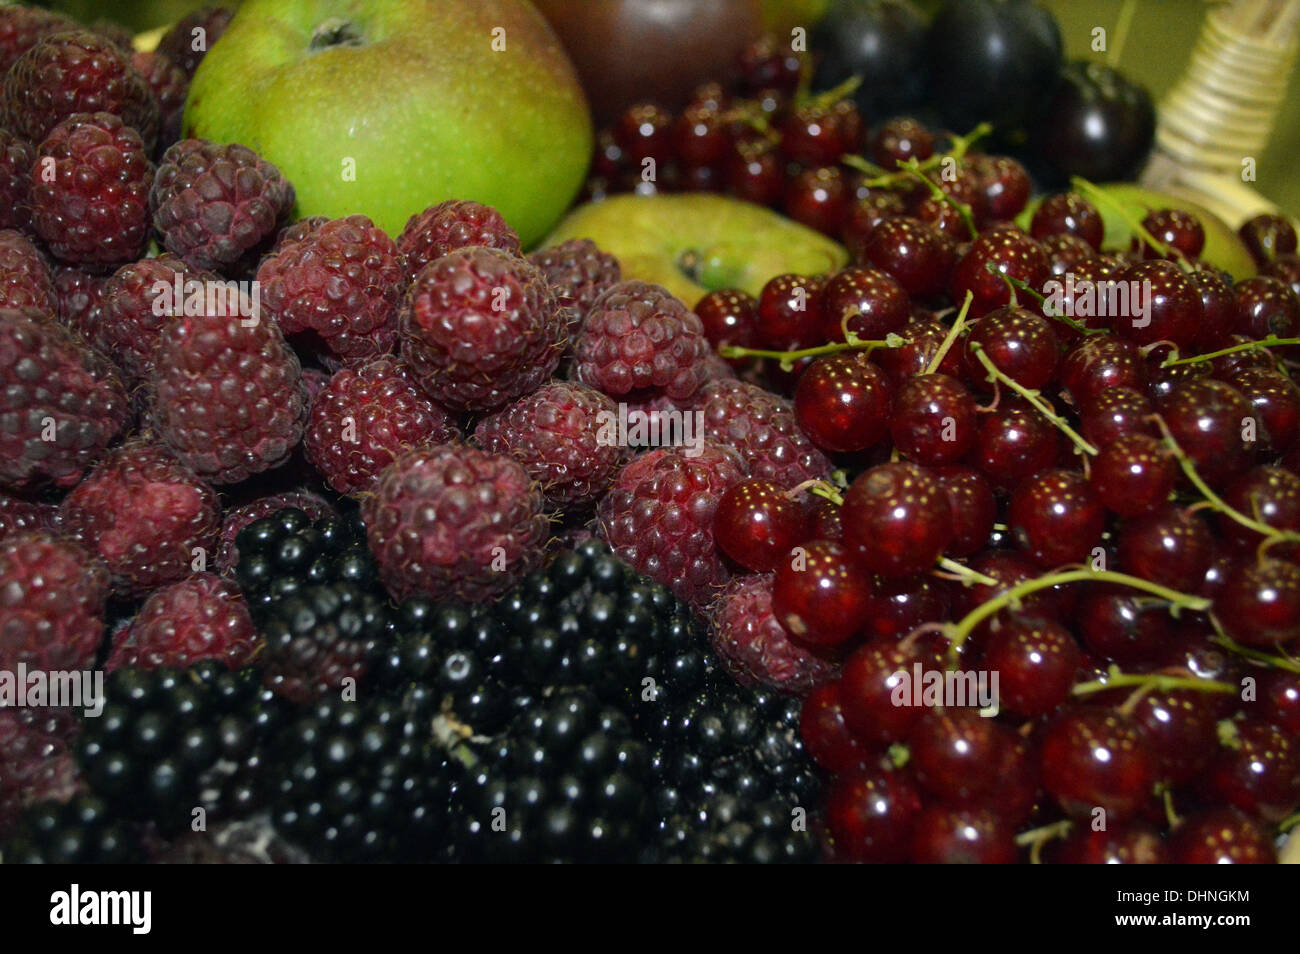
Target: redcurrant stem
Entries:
(1284, 663)
(819, 487)
(1171, 816)
(958, 324)
(1214, 500)
(1150, 681)
(788, 358)
(1272, 341)
(1033, 397)
(831, 96)
(1020, 285)
(881, 179)
(965, 574)
(914, 169)
(1098, 197)
(1035, 838)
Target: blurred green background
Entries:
(1160, 41)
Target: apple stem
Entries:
(1272, 341)
(788, 358)
(1033, 397)
(958, 324)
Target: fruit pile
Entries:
(985, 547)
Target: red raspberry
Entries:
(145, 515)
(170, 85)
(298, 231)
(638, 336)
(365, 418)
(213, 205)
(313, 505)
(52, 613)
(578, 273)
(21, 28)
(25, 278)
(18, 515)
(60, 403)
(315, 381)
(450, 225)
(753, 645)
(228, 398)
(342, 283)
(480, 328)
(131, 316)
(658, 516)
(201, 617)
(36, 762)
(16, 158)
(77, 72)
(79, 294)
(761, 426)
(453, 522)
(563, 433)
(192, 36)
(94, 208)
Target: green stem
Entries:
(788, 358)
(1121, 33)
(1272, 341)
(1286, 824)
(1099, 197)
(880, 179)
(1020, 285)
(914, 169)
(1033, 397)
(958, 324)
(1117, 679)
(1035, 838)
(968, 576)
(1268, 659)
(830, 97)
(819, 487)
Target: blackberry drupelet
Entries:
(172, 740)
(726, 829)
(81, 831)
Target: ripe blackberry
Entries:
(215, 205)
(25, 277)
(567, 781)
(360, 782)
(563, 434)
(578, 273)
(365, 417)
(81, 831)
(761, 426)
(172, 740)
(94, 208)
(52, 612)
(79, 293)
(730, 830)
(77, 72)
(170, 85)
(236, 519)
(339, 286)
(321, 637)
(52, 386)
(22, 27)
(190, 37)
(202, 617)
(480, 328)
(451, 225)
(16, 158)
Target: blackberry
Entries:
(80, 831)
(361, 782)
(567, 781)
(172, 740)
(727, 829)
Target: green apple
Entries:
(697, 243)
(385, 107)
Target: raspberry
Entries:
(170, 85)
(213, 205)
(145, 515)
(228, 397)
(77, 72)
(578, 273)
(298, 231)
(313, 505)
(366, 418)
(450, 225)
(658, 516)
(17, 515)
(453, 522)
(563, 435)
(36, 763)
(638, 336)
(60, 403)
(21, 28)
(761, 426)
(341, 283)
(115, 33)
(94, 209)
(315, 381)
(52, 613)
(16, 158)
(480, 328)
(25, 279)
(201, 617)
(79, 294)
(754, 646)
(131, 316)
(190, 38)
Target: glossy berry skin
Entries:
(1068, 213)
(1181, 231)
(1275, 400)
(897, 519)
(871, 814)
(898, 140)
(1132, 843)
(1036, 659)
(924, 336)
(699, 136)
(1097, 758)
(729, 317)
(1115, 625)
(1014, 441)
(754, 172)
(757, 523)
(872, 677)
(1266, 306)
(1098, 363)
(1116, 413)
(1258, 772)
(1067, 254)
(865, 212)
(1279, 699)
(1259, 604)
(818, 136)
(818, 198)
(1181, 731)
(934, 420)
(956, 753)
(826, 735)
(644, 131)
(1008, 252)
(1171, 313)
(1218, 836)
(1268, 494)
(1218, 308)
(842, 402)
(1133, 475)
(918, 257)
(899, 604)
(1209, 420)
(1005, 185)
(873, 304)
(1267, 236)
(1056, 517)
(789, 312)
(946, 835)
(1168, 546)
(821, 595)
(1020, 344)
(974, 508)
